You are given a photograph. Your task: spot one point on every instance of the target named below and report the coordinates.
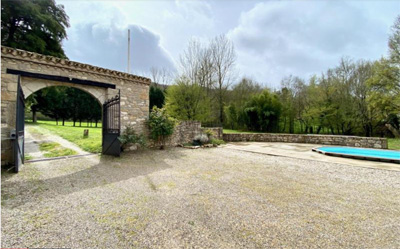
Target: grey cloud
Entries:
(304, 38)
(106, 46)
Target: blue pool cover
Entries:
(390, 155)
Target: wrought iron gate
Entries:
(19, 129)
(111, 126)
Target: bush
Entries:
(210, 134)
(217, 141)
(200, 139)
(129, 136)
(161, 125)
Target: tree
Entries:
(236, 99)
(157, 97)
(161, 125)
(34, 25)
(161, 76)
(263, 112)
(53, 103)
(385, 93)
(231, 114)
(185, 101)
(394, 42)
(223, 60)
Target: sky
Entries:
(272, 39)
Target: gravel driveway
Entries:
(205, 198)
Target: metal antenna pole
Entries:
(129, 50)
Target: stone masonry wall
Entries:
(217, 131)
(186, 131)
(134, 89)
(353, 141)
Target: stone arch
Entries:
(31, 85)
(37, 71)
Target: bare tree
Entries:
(223, 59)
(190, 61)
(162, 76)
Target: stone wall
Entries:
(186, 131)
(353, 141)
(134, 89)
(217, 131)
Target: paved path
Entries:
(32, 145)
(303, 151)
(34, 135)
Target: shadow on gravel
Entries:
(107, 170)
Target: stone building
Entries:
(37, 71)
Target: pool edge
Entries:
(387, 160)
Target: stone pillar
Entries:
(9, 85)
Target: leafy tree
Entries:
(157, 97)
(385, 92)
(53, 103)
(236, 99)
(185, 101)
(231, 116)
(161, 125)
(263, 112)
(34, 25)
(65, 103)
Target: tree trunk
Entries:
(63, 123)
(393, 130)
(12, 30)
(34, 116)
(291, 125)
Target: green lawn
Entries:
(228, 131)
(394, 143)
(53, 149)
(75, 134)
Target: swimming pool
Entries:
(361, 153)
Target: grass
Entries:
(394, 143)
(53, 149)
(28, 157)
(228, 131)
(75, 134)
(67, 123)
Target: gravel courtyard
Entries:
(205, 198)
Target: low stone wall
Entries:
(185, 132)
(353, 141)
(217, 131)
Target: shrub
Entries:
(129, 136)
(200, 139)
(217, 141)
(161, 125)
(210, 134)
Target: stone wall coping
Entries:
(354, 141)
(32, 57)
(310, 135)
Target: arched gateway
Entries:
(124, 96)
